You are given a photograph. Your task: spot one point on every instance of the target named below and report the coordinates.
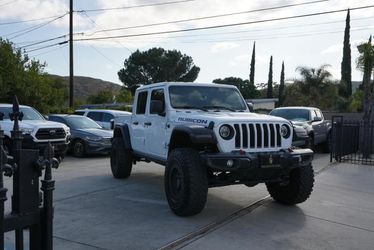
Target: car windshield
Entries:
(28, 113)
(205, 97)
(81, 123)
(301, 115)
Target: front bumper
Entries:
(98, 147)
(60, 147)
(242, 167)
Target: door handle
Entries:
(135, 123)
(148, 123)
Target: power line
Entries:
(209, 17)
(7, 3)
(103, 55)
(47, 40)
(94, 23)
(49, 51)
(47, 46)
(227, 25)
(135, 6)
(30, 29)
(29, 20)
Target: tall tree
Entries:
(270, 79)
(365, 62)
(346, 69)
(157, 65)
(281, 87)
(253, 61)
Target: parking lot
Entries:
(95, 211)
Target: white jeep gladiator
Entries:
(206, 137)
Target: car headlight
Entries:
(93, 138)
(26, 131)
(226, 132)
(285, 131)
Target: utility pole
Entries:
(71, 60)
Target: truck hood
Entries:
(204, 118)
(30, 124)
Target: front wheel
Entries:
(297, 190)
(120, 159)
(186, 182)
(78, 148)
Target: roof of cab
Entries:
(162, 84)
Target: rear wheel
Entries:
(186, 182)
(297, 190)
(120, 159)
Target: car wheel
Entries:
(186, 182)
(298, 188)
(310, 142)
(78, 148)
(120, 159)
(327, 146)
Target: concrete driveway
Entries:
(95, 211)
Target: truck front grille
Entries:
(50, 134)
(259, 135)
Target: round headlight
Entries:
(285, 131)
(226, 132)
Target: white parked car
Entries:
(104, 117)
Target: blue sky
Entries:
(224, 52)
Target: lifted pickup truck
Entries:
(36, 130)
(206, 137)
(311, 119)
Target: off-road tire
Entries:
(186, 182)
(310, 142)
(297, 190)
(78, 148)
(120, 159)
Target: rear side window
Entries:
(78, 112)
(158, 95)
(142, 103)
(96, 116)
(107, 117)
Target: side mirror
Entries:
(157, 107)
(250, 106)
(317, 119)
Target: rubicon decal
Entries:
(199, 121)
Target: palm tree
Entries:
(314, 82)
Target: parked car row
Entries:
(89, 130)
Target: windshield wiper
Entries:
(219, 107)
(191, 107)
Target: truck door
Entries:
(155, 128)
(137, 122)
(319, 133)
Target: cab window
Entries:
(96, 116)
(142, 103)
(158, 95)
(107, 117)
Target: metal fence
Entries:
(30, 208)
(352, 141)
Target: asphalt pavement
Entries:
(95, 211)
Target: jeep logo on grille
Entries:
(52, 131)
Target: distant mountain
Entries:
(85, 86)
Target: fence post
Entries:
(48, 185)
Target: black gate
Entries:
(32, 209)
(352, 141)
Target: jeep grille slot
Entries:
(50, 133)
(259, 135)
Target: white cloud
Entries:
(222, 46)
(338, 48)
(238, 60)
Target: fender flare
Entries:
(122, 130)
(197, 134)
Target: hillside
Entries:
(85, 86)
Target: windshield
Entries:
(81, 123)
(301, 115)
(28, 113)
(205, 97)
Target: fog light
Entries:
(230, 163)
